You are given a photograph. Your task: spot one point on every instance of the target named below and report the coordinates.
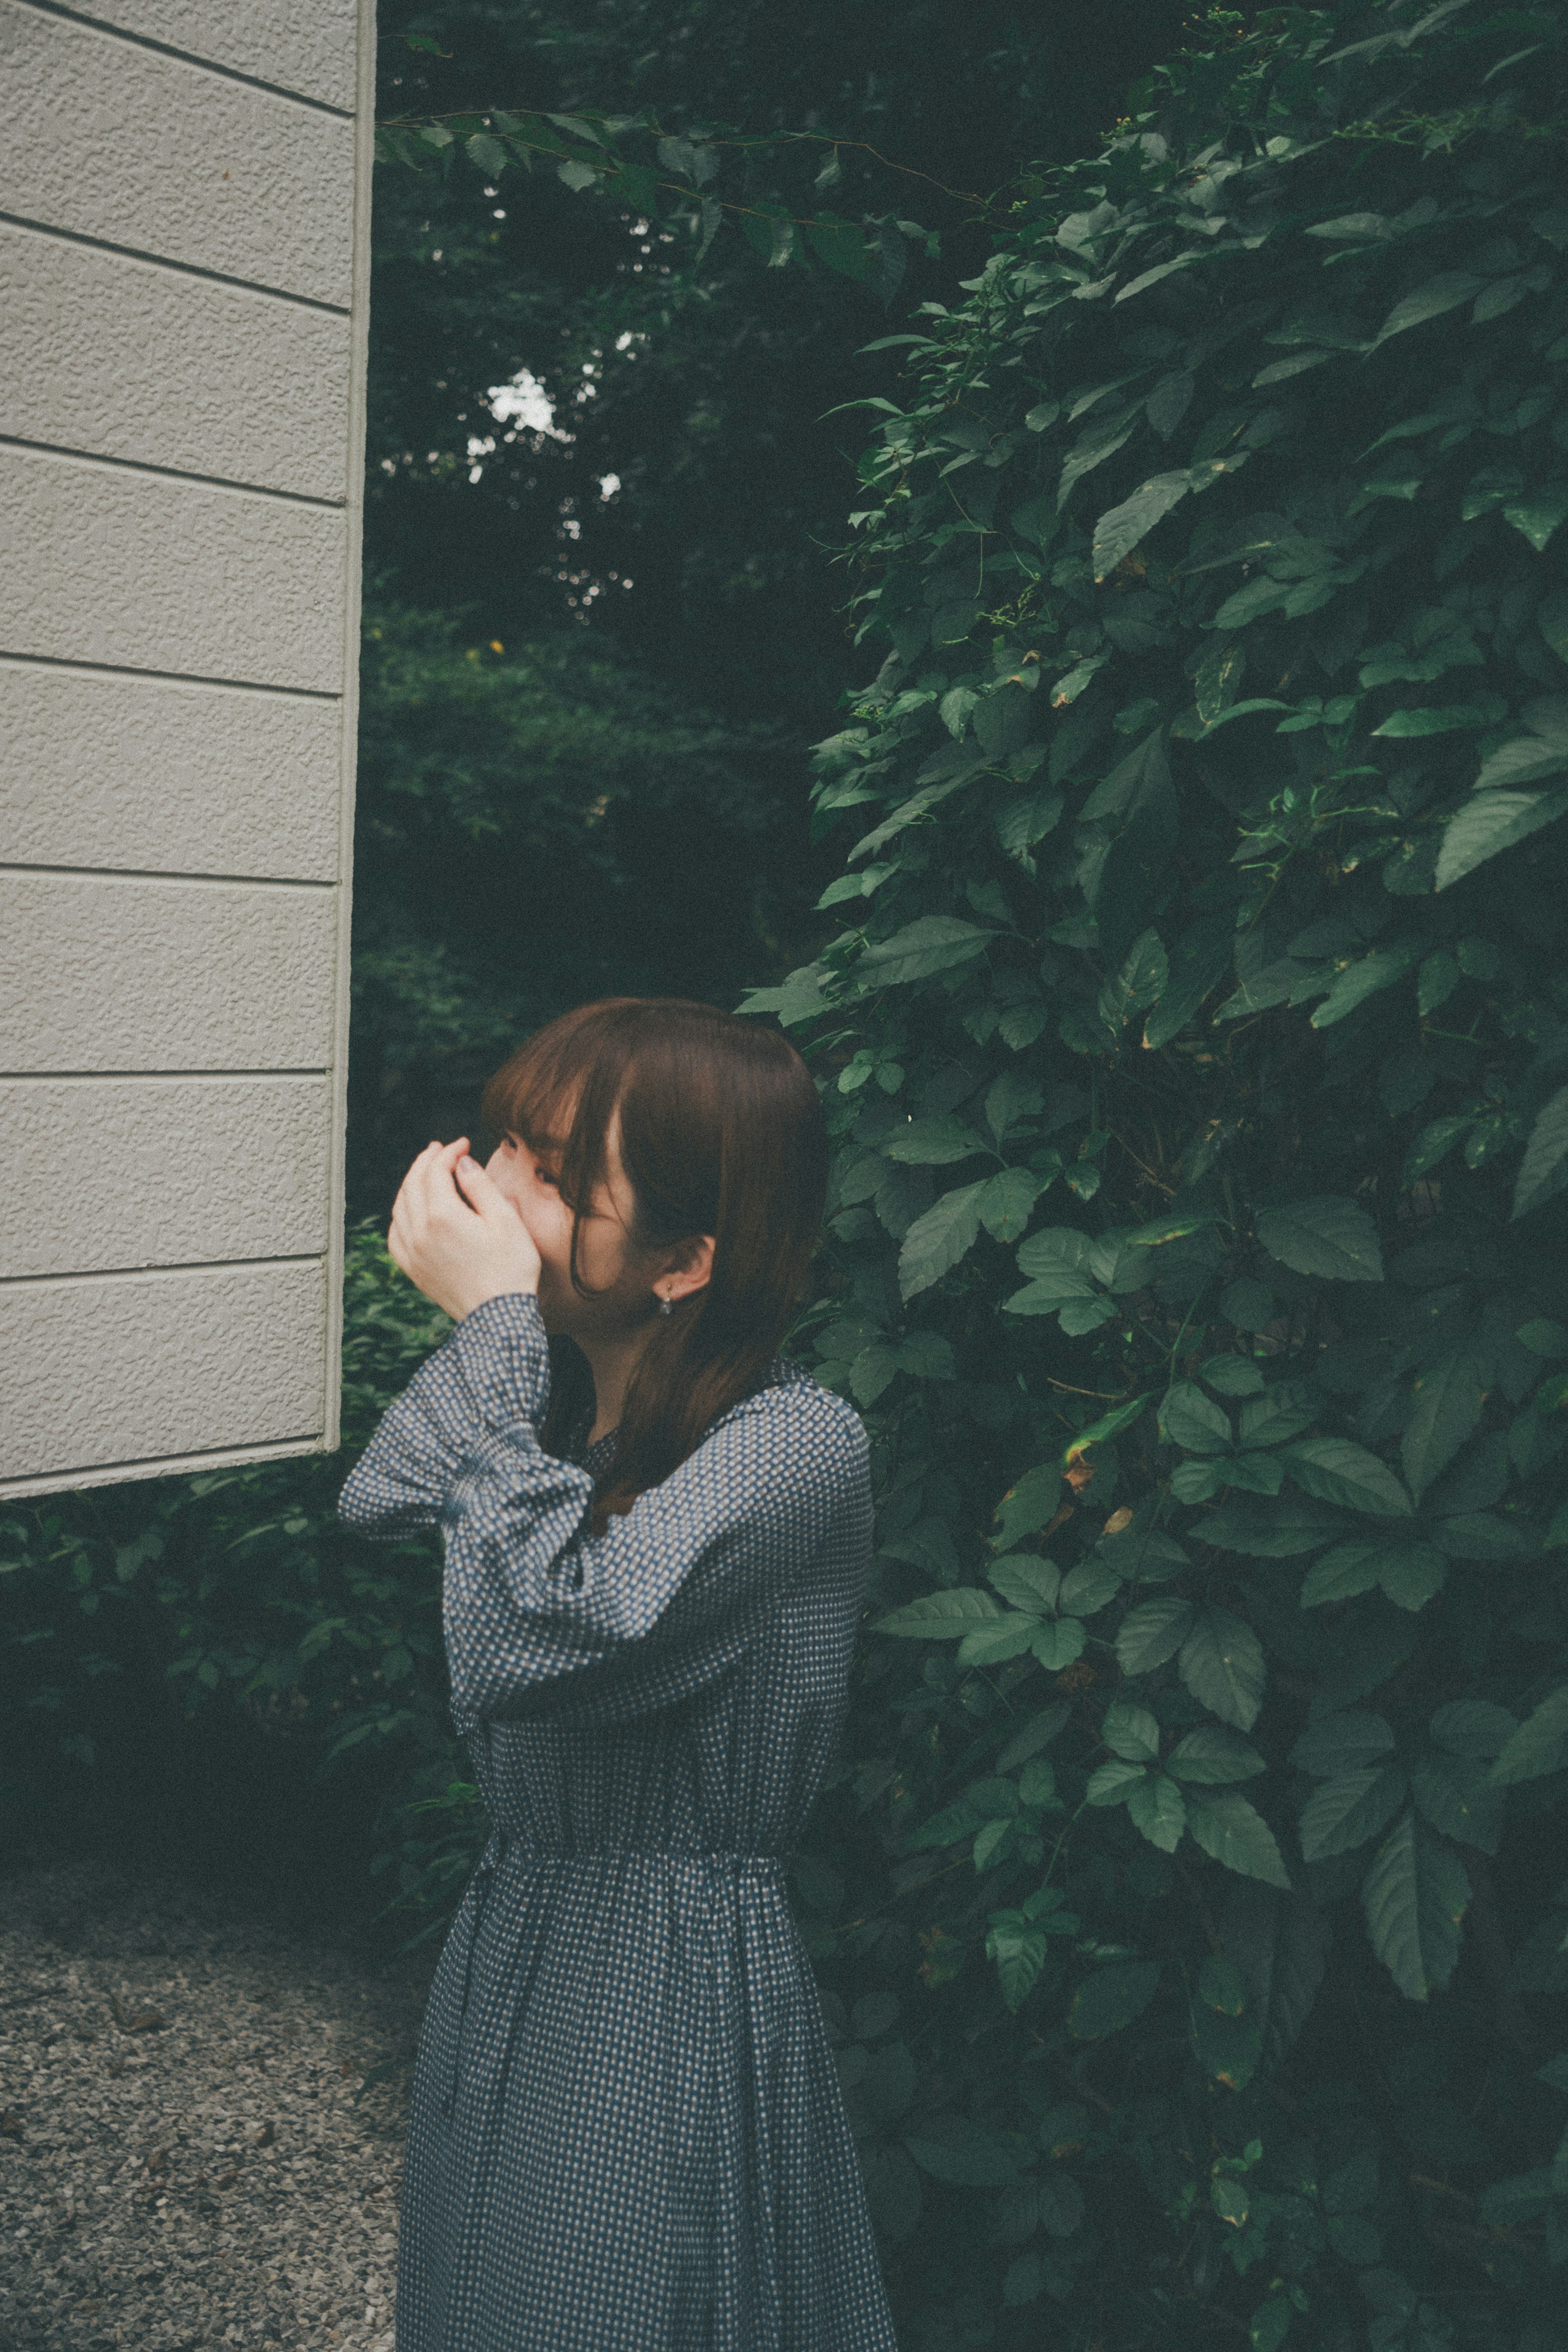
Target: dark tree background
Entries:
(602, 627)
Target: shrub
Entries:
(1192, 1894)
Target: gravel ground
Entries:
(201, 2120)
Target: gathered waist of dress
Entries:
(505, 1847)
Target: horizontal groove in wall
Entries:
(171, 473)
(151, 1273)
(178, 268)
(186, 57)
(59, 456)
(155, 873)
(155, 1466)
(169, 677)
(97, 1078)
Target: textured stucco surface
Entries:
(102, 973)
(301, 45)
(123, 358)
(129, 1173)
(165, 158)
(125, 1368)
(184, 285)
(100, 564)
(161, 776)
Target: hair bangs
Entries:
(719, 1131)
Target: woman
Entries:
(627, 2134)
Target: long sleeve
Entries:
(488, 1378)
(544, 1617)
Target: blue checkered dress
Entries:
(627, 2134)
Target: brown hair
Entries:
(721, 1133)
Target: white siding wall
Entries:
(184, 214)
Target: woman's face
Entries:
(620, 1276)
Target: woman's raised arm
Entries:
(542, 1615)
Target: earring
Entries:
(667, 1305)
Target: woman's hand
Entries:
(456, 1236)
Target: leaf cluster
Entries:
(1197, 1057)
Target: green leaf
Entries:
(1473, 1727)
(1543, 1170)
(1087, 1587)
(1037, 1734)
(1199, 962)
(1269, 2324)
(1143, 975)
(1528, 760)
(1490, 823)
(1214, 1757)
(1111, 1998)
(577, 175)
(1152, 1633)
(1100, 439)
(840, 243)
(1155, 1807)
(965, 2156)
(945, 1829)
(1359, 981)
(1444, 719)
(932, 1143)
(1221, 1664)
(1453, 1794)
(1343, 1812)
(1059, 1646)
(1412, 1574)
(1005, 1637)
(1027, 1582)
(1131, 1732)
(1109, 1425)
(490, 155)
(1281, 1412)
(1196, 1481)
(1057, 1250)
(1030, 1502)
(1233, 1376)
(930, 945)
(1539, 513)
(1444, 293)
(1119, 530)
(1006, 1201)
(1415, 1894)
(1232, 1832)
(1448, 1408)
(936, 1242)
(1341, 1743)
(1278, 1532)
(1222, 1986)
(1113, 1783)
(1194, 1422)
(1017, 1949)
(1279, 1944)
(1327, 1235)
(936, 1616)
(1537, 1744)
(1336, 1470)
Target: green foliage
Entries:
(621, 456)
(537, 823)
(1197, 1056)
(702, 182)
